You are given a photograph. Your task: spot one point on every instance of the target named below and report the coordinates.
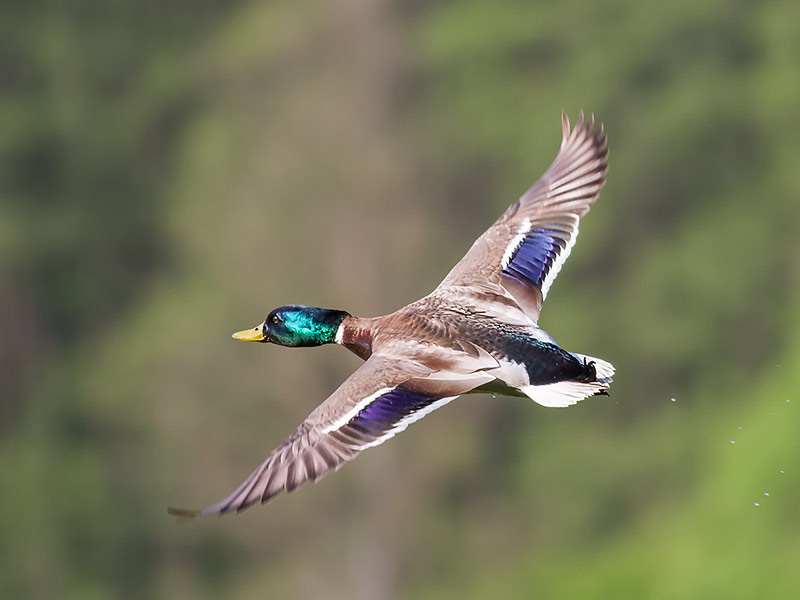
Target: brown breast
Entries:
(357, 336)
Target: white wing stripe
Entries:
(345, 418)
(558, 263)
(406, 421)
(515, 242)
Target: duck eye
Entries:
(276, 319)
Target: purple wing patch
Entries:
(390, 409)
(535, 256)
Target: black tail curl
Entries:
(589, 374)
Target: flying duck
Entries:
(476, 332)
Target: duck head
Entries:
(296, 325)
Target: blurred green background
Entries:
(171, 171)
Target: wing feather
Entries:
(379, 400)
(520, 255)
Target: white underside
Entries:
(563, 393)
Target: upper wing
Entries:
(521, 254)
(377, 401)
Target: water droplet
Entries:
(781, 471)
(756, 503)
(739, 427)
(766, 493)
(788, 400)
(733, 442)
(674, 399)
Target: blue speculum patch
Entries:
(535, 256)
(389, 409)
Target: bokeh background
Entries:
(170, 171)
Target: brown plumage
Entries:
(477, 331)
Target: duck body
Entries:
(476, 332)
(490, 355)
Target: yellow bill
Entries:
(256, 334)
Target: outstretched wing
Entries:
(521, 254)
(377, 401)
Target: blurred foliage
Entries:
(169, 172)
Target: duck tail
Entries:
(604, 370)
(595, 382)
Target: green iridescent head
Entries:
(296, 325)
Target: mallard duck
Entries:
(476, 332)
